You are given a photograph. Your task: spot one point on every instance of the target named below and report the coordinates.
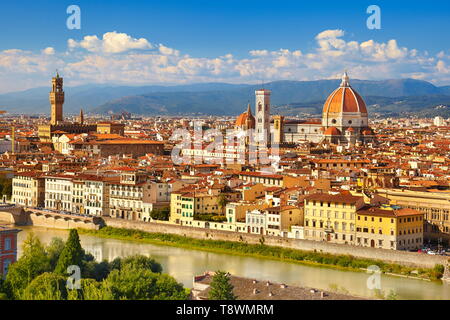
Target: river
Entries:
(183, 264)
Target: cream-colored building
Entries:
(127, 196)
(28, 189)
(58, 192)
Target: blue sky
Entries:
(167, 42)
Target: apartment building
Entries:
(28, 189)
(389, 227)
(434, 204)
(59, 192)
(127, 196)
(331, 217)
(280, 219)
(186, 204)
(96, 194)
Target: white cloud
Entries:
(112, 42)
(330, 34)
(49, 51)
(122, 59)
(168, 51)
(259, 53)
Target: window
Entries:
(7, 244)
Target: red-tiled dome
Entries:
(246, 118)
(344, 99)
(332, 131)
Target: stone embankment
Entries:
(411, 259)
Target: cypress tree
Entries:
(72, 254)
(221, 287)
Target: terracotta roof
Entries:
(344, 99)
(339, 198)
(332, 131)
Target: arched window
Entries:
(260, 107)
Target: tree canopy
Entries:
(41, 274)
(221, 287)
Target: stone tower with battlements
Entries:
(57, 100)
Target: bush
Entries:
(162, 214)
(47, 286)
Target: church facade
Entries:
(344, 120)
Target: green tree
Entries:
(142, 284)
(5, 293)
(137, 262)
(162, 214)
(222, 201)
(72, 254)
(221, 287)
(54, 250)
(47, 286)
(96, 270)
(6, 186)
(33, 262)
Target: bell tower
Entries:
(263, 117)
(57, 100)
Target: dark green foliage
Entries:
(54, 250)
(221, 287)
(210, 217)
(136, 262)
(72, 254)
(162, 214)
(95, 270)
(6, 187)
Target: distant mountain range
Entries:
(288, 98)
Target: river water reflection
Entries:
(183, 264)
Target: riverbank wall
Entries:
(47, 219)
(410, 259)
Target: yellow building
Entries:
(434, 204)
(331, 217)
(186, 205)
(389, 227)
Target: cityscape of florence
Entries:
(230, 156)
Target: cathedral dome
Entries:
(344, 100)
(246, 120)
